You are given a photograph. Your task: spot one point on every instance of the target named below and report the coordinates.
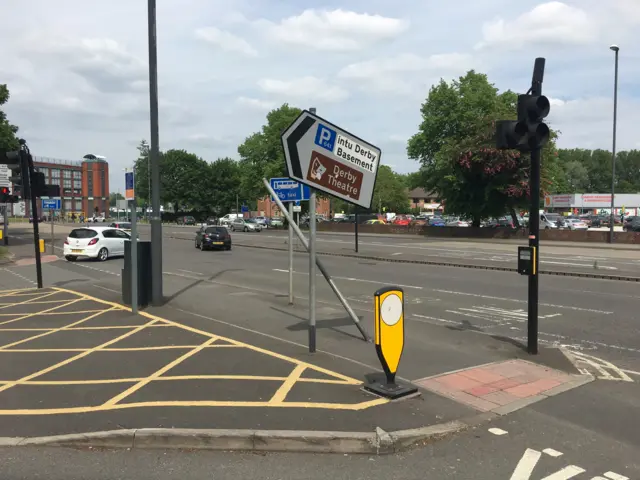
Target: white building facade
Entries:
(593, 203)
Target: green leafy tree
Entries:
(8, 138)
(261, 153)
(390, 192)
(113, 197)
(185, 180)
(456, 148)
(628, 171)
(224, 184)
(141, 167)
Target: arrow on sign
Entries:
(292, 142)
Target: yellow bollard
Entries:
(41, 246)
(1, 232)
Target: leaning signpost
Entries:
(329, 159)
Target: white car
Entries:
(575, 224)
(95, 242)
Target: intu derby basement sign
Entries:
(332, 160)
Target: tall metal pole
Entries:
(312, 271)
(52, 233)
(616, 49)
(134, 256)
(34, 214)
(290, 255)
(534, 225)
(157, 297)
(5, 227)
(356, 230)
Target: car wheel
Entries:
(71, 258)
(228, 248)
(245, 229)
(197, 246)
(103, 254)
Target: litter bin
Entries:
(144, 273)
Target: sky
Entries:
(78, 74)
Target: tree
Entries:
(185, 179)
(456, 148)
(390, 192)
(225, 184)
(141, 168)
(8, 138)
(113, 197)
(261, 153)
(628, 171)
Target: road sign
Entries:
(129, 190)
(244, 209)
(325, 157)
(290, 190)
(389, 341)
(297, 208)
(51, 204)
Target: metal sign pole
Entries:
(290, 255)
(320, 265)
(5, 228)
(356, 230)
(134, 258)
(312, 272)
(52, 234)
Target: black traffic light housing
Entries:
(529, 132)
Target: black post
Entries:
(356, 231)
(34, 213)
(534, 222)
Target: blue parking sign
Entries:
(325, 137)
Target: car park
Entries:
(213, 237)
(99, 243)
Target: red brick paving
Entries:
(499, 384)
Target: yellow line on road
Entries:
(41, 295)
(123, 406)
(55, 330)
(288, 384)
(51, 313)
(71, 302)
(157, 373)
(17, 292)
(107, 381)
(74, 358)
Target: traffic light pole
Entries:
(34, 213)
(534, 223)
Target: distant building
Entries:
(426, 202)
(84, 185)
(95, 185)
(578, 203)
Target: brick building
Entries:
(84, 185)
(95, 185)
(424, 201)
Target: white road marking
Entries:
(551, 452)
(351, 279)
(615, 476)
(28, 280)
(489, 297)
(108, 289)
(603, 267)
(525, 466)
(566, 473)
(189, 271)
(605, 370)
(397, 253)
(498, 431)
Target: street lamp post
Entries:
(157, 297)
(616, 49)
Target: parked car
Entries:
(264, 221)
(576, 224)
(212, 221)
(209, 237)
(401, 220)
(632, 225)
(457, 222)
(245, 225)
(186, 220)
(277, 222)
(437, 222)
(228, 218)
(95, 242)
(126, 226)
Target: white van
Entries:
(228, 218)
(548, 220)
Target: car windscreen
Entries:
(216, 230)
(82, 233)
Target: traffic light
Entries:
(529, 132)
(5, 195)
(18, 165)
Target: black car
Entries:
(633, 225)
(213, 238)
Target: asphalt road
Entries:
(455, 316)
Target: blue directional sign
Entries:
(51, 204)
(289, 190)
(244, 208)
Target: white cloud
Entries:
(336, 30)
(255, 103)
(552, 23)
(225, 41)
(407, 63)
(309, 88)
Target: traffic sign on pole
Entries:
(51, 204)
(129, 188)
(325, 157)
(289, 190)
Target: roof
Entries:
(421, 193)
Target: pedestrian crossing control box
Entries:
(527, 260)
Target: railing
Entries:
(57, 161)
